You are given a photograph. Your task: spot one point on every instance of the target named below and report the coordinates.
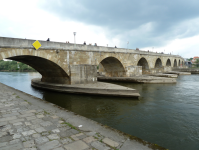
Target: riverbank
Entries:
(29, 122)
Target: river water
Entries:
(166, 114)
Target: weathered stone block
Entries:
(133, 71)
(78, 145)
(82, 74)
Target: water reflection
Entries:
(167, 114)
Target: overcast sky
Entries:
(162, 26)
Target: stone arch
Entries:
(46, 65)
(158, 63)
(179, 63)
(111, 67)
(145, 66)
(182, 63)
(168, 63)
(175, 63)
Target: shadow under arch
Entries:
(158, 63)
(145, 66)
(50, 71)
(168, 63)
(179, 63)
(175, 63)
(111, 67)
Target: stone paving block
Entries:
(30, 148)
(2, 134)
(12, 114)
(29, 144)
(36, 121)
(47, 118)
(3, 144)
(17, 146)
(77, 145)
(66, 141)
(60, 148)
(40, 130)
(30, 132)
(90, 133)
(28, 124)
(45, 123)
(74, 131)
(50, 145)
(53, 137)
(5, 138)
(64, 128)
(8, 119)
(31, 118)
(17, 124)
(60, 121)
(16, 120)
(3, 123)
(81, 136)
(26, 115)
(50, 128)
(89, 139)
(41, 140)
(19, 130)
(56, 131)
(100, 146)
(16, 136)
(110, 142)
(15, 141)
(34, 126)
(36, 135)
(66, 133)
(6, 127)
(54, 117)
(74, 138)
(40, 116)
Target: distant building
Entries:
(194, 59)
(188, 64)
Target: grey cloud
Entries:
(120, 17)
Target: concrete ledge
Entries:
(98, 88)
(138, 79)
(165, 75)
(178, 73)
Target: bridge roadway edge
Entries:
(125, 141)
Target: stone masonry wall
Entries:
(83, 74)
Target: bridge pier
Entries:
(133, 71)
(83, 74)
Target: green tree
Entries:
(13, 66)
(196, 63)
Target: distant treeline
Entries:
(14, 66)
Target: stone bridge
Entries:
(67, 63)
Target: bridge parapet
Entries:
(27, 43)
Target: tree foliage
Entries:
(196, 62)
(14, 66)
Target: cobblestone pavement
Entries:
(26, 126)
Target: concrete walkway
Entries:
(29, 123)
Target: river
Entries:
(166, 114)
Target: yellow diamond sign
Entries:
(36, 45)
